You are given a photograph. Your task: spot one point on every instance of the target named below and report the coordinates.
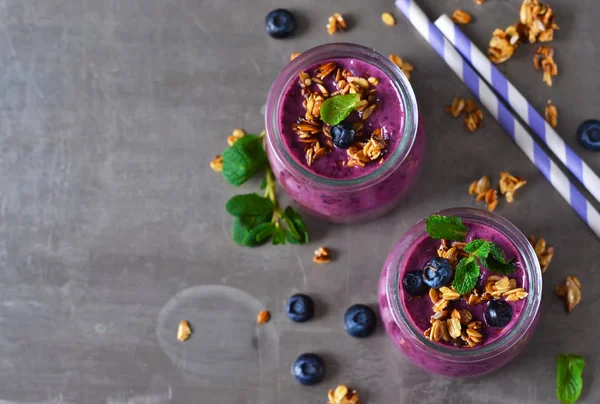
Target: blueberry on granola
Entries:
(280, 23)
(437, 273)
(413, 283)
(360, 321)
(308, 369)
(498, 314)
(342, 135)
(299, 308)
(588, 134)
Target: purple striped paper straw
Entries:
(520, 105)
(498, 109)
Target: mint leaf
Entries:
(478, 247)
(279, 236)
(335, 109)
(263, 184)
(498, 267)
(243, 226)
(297, 233)
(259, 234)
(242, 160)
(466, 275)
(249, 205)
(497, 253)
(569, 382)
(446, 227)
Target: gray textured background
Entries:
(112, 224)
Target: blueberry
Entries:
(308, 369)
(342, 135)
(360, 321)
(437, 273)
(413, 283)
(299, 308)
(280, 23)
(498, 313)
(588, 134)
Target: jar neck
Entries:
(530, 266)
(325, 53)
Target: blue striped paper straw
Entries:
(498, 109)
(520, 105)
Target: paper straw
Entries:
(520, 105)
(498, 110)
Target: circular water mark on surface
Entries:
(227, 351)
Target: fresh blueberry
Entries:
(299, 308)
(413, 283)
(280, 23)
(308, 369)
(437, 273)
(360, 320)
(588, 134)
(498, 313)
(342, 135)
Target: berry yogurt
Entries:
(362, 167)
(453, 335)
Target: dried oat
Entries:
(440, 305)
(474, 120)
(388, 19)
(236, 135)
(183, 331)
(322, 255)
(434, 296)
(537, 21)
(263, 317)
(491, 199)
(551, 114)
(217, 163)
(543, 252)
(336, 23)
(544, 60)
(509, 184)
(458, 104)
(461, 17)
(480, 187)
(454, 327)
(570, 291)
(406, 67)
(503, 44)
(343, 395)
(449, 294)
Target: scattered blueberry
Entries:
(308, 369)
(342, 135)
(280, 23)
(360, 321)
(498, 313)
(437, 273)
(588, 134)
(299, 308)
(413, 283)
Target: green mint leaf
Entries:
(279, 236)
(263, 184)
(497, 253)
(259, 234)
(466, 275)
(498, 267)
(242, 226)
(249, 205)
(446, 227)
(478, 247)
(335, 109)
(296, 227)
(242, 160)
(569, 382)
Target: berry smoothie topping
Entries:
(588, 134)
(308, 369)
(280, 23)
(299, 308)
(337, 105)
(360, 321)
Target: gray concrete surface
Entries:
(113, 228)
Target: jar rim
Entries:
(342, 50)
(531, 267)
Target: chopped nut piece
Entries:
(570, 291)
(544, 59)
(406, 67)
(388, 19)
(503, 44)
(551, 114)
(263, 317)
(217, 163)
(461, 17)
(509, 184)
(491, 199)
(342, 395)
(474, 120)
(322, 255)
(294, 55)
(458, 104)
(543, 252)
(183, 331)
(336, 23)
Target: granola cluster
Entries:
(544, 60)
(461, 17)
(342, 395)
(316, 135)
(473, 115)
(543, 252)
(406, 67)
(507, 185)
(322, 255)
(336, 23)
(570, 291)
(551, 114)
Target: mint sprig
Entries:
(569, 381)
(258, 218)
(466, 275)
(335, 109)
(446, 227)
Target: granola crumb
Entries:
(570, 291)
(406, 67)
(473, 115)
(479, 2)
(217, 163)
(461, 17)
(491, 199)
(342, 395)
(236, 135)
(183, 331)
(544, 60)
(294, 55)
(551, 114)
(509, 184)
(480, 187)
(336, 23)
(388, 19)
(322, 255)
(543, 252)
(263, 317)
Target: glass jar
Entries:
(448, 360)
(356, 199)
